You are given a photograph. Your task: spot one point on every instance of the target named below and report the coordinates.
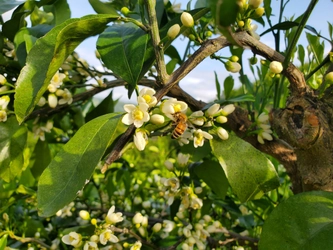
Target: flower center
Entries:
(177, 108)
(137, 114)
(147, 98)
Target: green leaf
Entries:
(106, 106)
(6, 5)
(102, 8)
(122, 48)
(13, 139)
(47, 55)
(225, 12)
(61, 11)
(75, 163)
(248, 171)
(239, 98)
(213, 175)
(171, 65)
(3, 242)
(228, 86)
(301, 53)
(267, 7)
(304, 221)
(218, 86)
(40, 158)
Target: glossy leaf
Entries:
(102, 7)
(61, 11)
(248, 171)
(228, 86)
(213, 175)
(40, 158)
(122, 48)
(12, 142)
(47, 55)
(304, 221)
(3, 242)
(73, 166)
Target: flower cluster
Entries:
(265, 132)
(103, 235)
(4, 101)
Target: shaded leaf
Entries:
(47, 55)
(267, 7)
(303, 221)
(73, 166)
(218, 86)
(40, 159)
(122, 48)
(248, 171)
(301, 53)
(61, 11)
(228, 86)
(102, 7)
(13, 139)
(213, 175)
(6, 5)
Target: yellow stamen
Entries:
(177, 108)
(147, 98)
(138, 114)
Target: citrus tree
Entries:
(250, 170)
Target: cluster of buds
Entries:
(250, 9)
(232, 65)
(265, 132)
(5, 99)
(186, 128)
(103, 235)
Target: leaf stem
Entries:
(298, 33)
(155, 36)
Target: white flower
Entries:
(137, 246)
(185, 138)
(228, 109)
(182, 159)
(157, 119)
(74, 239)
(52, 100)
(56, 82)
(233, 67)
(173, 31)
(66, 97)
(146, 204)
(275, 67)
(112, 217)
(221, 119)
(264, 135)
(84, 214)
(136, 114)
(187, 19)
(197, 118)
(3, 116)
(265, 132)
(252, 29)
(172, 183)
(171, 106)
(199, 137)
(4, 100)
(137, 200)
(107, 235)
(222, 133)
(146, 95)
(3, 89)
(138, 218)
(196, 203)
(198, 190)
(39, 131)
(168, 226)
(140, 139)
(169, 165)
(90, 245)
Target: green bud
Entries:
(329, 78)
(234, 59)
(253, 60)
(187, 19)
(125, 11)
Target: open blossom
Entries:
(140, 139)
(39, 131)
(172, 106)
(182, 159)
(66, 96)
(112, 217)
(197, 118)
(74, 239)
(4, 101)
(137, 246)
(56, 82)
(199, 137)
(146, 95)
(265, 132)
(90, 245)
(136, 115)
(106, 236)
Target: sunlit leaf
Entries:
(61, 11)
(47, 55)
(248, 171)
(102, 7)
(73, 166)
(303, 221)
(12, 142)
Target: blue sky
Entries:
(201, 83)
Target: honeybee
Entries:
(180, 124)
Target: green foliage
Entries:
(56, 46)
(59, 184)
(248, 171)
(303, 221)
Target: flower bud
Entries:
(222, 133)
(198, 190)
(169, 165)
(187, 19)
(241, 24)
(3, 80)
(221, 119)
(157, 119)
(254, 4)
(157, 227)
(138, 218)
(52, 100)
(329, 78)
(275, 67)
(233, 67)
(125, 11)
(228, 109)
(41, 101)
(146, 204)
(84, 215)
(259, 12)
(212, 110)
(234, 58)
(173, 31)
(253, 60)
